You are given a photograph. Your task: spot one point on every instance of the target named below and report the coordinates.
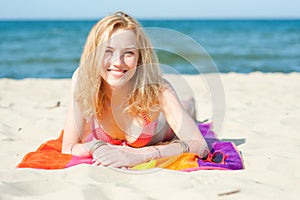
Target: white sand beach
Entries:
(262, 117)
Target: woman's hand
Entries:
(117, 156)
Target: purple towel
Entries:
(233, 159)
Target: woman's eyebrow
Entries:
(133, 47)
(130, 47)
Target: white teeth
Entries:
(120, 71)
(117, 72)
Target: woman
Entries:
(122, 111)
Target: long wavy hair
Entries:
(147, 80)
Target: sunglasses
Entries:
(216, 157)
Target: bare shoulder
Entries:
(166, 83)
(168, 90)
(74, 77)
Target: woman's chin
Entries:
(114, 81)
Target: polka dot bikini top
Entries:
(143, 139)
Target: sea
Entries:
(52, 48)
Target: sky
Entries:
(149, 9)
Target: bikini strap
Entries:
(146, 118)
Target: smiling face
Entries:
(120, 58)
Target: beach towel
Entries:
(49, 156)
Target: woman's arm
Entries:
(181, 122)
(75, 127)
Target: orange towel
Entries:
(47, 156)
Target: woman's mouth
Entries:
(117, 72)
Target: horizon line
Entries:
(151, 18)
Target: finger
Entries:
(115, 165)
(119, 165)
(96, 163)
(111, 155)
(124, 168)
(99, 154)
(109, 162)
(103, 152)
(102, 160)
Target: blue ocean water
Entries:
(52, 49)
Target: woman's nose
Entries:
(117, 59)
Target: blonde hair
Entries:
(89, 93)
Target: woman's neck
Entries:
(114, 95)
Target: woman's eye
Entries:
(128, 53)
(108, 51)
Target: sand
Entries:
(262, 118)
